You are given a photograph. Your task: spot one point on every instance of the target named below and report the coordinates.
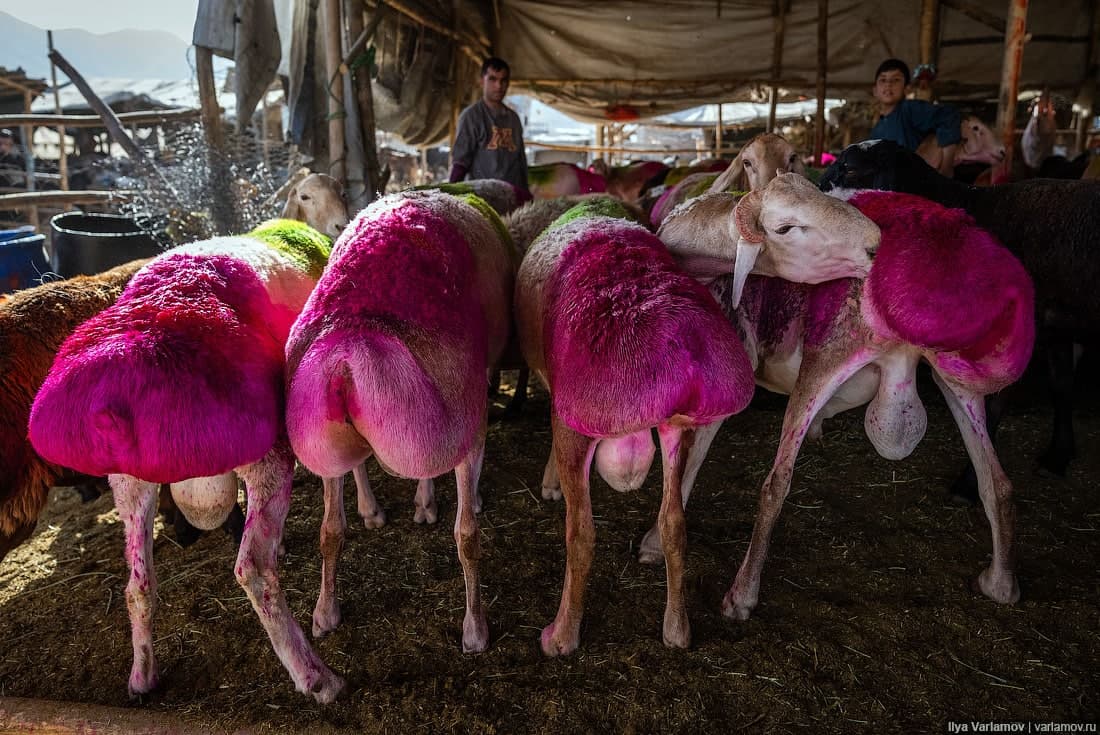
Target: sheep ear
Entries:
(732, 177)
(746, 217)
(292, 210)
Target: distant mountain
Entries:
(129, 54)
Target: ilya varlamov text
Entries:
(1024, 727)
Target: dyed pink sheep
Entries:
(181, 381)
(552, 180)
(391, 356)
(940, 289)
(625, 342)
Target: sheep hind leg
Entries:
(369, 510)
(964, 490)
(268, 483)
(136, 502)
(676, 442)
(326, 613)
(573, 453)
(998, 581)
(821, 376)
(651, 551)
(475, 627)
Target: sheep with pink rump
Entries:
(181, 382)
(625, 343)
(391, 356)
(940, 289)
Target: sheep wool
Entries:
(182, 377)
(391, 352)
(940, 281)
(631, 341)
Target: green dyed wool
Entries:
(307, 247)
(595, 207)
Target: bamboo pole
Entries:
(929, 40)
(335, 87)
(822, 68)
(779, 23)
(1016, 29)
(63, 157)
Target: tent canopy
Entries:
(617, 60)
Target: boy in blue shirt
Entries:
(908, 122)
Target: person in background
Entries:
(489, 139)
(12, 164)
(907, 122)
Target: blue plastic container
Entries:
(22, 259)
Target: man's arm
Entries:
(462, 155)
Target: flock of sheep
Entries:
(235, 357)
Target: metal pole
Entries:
(929, 40)
(28, 151)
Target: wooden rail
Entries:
(155, 117)
(61, 198)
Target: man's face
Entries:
(5, 145)
(890, 87)
(494, 85)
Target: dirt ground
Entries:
(865, 624)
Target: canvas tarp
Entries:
(619, 60)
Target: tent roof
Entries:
(616, 59)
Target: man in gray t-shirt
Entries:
(489, 140)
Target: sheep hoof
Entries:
(551, 493)
(375, 520)
(427, 514)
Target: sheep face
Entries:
(318, 200)
(761, 160)
(979, 144)
(793, 231)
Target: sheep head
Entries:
(761, 160)
(318, 200)
(793, 231)
(979, 144)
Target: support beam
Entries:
(976, 12)
(217, 170)
(1010, 81)
(779, 25)
(28, 158)
(929, 41)
(822, 70)
(718, 133)
(63, 155)
(330, 19)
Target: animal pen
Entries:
(870, 617)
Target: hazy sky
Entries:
(104, 16)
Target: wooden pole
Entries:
(822, 68)
(929, 41)
(1087, 94)
(374, 179)
(779, 21)
(217, 168)
(353, 131)
(28, 157)
(718, 133)
(1015, 30)
(63, 158)
(336, 113)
